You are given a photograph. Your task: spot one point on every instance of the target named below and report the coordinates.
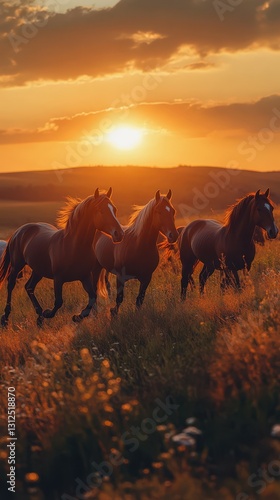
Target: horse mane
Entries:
(74, 207)
(234, 212)
(65, 214)
(140, 216)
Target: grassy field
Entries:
(15, 213)
(101, 406)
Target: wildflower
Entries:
(86, 357)
(31, 477)
(184, 439)
(80, 385)
(126, 407)
(83, 409)
(275, 431)
(157, 465)
(108, 423)
(108, 409)
(192, 431)
(146, 471)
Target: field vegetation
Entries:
(87, 394)
(102, 406)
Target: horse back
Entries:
(202, 239)
(30, 244)
(129, 256)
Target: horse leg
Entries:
(30, 286)
(11, 284)
(189, 262)
(192, 283)
(206, 272)
(223, 280)
(229, 278)
(108, 284)
(142, 291)
(120, 296)
(50, 313)
(95, 275)
(184, 283)
(236, 279)
(88, 287)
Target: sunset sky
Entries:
(139, 82)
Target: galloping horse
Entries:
(136, 257)
(63, 255)
(229, 247)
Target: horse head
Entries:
(164, 215)
(105, 216)
(264, 214)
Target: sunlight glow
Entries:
(125, 137)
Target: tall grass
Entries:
(79, 388)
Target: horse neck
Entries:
(244, 229)
(148, 235)
(82, 232)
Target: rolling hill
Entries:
(30, 196)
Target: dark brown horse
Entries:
(136, 257)
(228, 247)
(63, 255)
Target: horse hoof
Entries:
(48, 313)
(77, 318)
(40, 321)
(4, 321)
(114, 312)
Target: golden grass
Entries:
(80, 387)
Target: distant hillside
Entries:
(200, 188)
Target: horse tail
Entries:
(5, 264)
(101, 285)
(171, 251)
(169, 248)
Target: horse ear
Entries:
(169, 194)
(109, 194)
(267, 193)
(257, 194)
(157, 196)
(96, 194)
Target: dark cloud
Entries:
(53, 45)
(187, 119)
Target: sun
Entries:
(125, 137)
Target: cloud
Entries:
(189, 119)
(141, 34)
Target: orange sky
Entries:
(198, 80)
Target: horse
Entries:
(136, 257)
(227, 247)
(63, 254)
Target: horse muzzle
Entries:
(272, 232)
(117, 236)
(172, 237)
